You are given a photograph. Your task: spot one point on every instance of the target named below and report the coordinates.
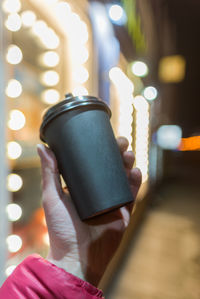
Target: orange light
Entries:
(190, 144)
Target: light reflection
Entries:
(14, 88)
(14, 182)
(14, 54)
(14, 243)
(14, 150)
(13, 22)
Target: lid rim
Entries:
(69, 105)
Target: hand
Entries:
(83, 248)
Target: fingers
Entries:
(128, 159)
(122, 143)
(50, 176)
(135, 180)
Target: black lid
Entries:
(71, 103)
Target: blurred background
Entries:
(142, 58)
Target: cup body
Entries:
(88, 159)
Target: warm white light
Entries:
(39, 27)
(80, 91)
(80, 54)
(50, 59)
(10, 269)
(17, 120)
(14, 150)
(115, 12)
(169, 137)
(13, 89)
(140, 103)
(11, 6)
(139, 69)
(14, 243)
(14, 54)
(50, 78)
(50, 96)
(14, 182)
(13, 22)
(28, 18)
(49, 39)
(150, 93)
(81, 75)
(120, 80)
(14, 212)
(63, 9)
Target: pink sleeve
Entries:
(36, 278)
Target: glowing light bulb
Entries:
(14, 150)
(121, 81)
(13, 22)
(14, 212)
(13, 89)
(17, 120)
(14, 243)
(50, 96)
(14, 182)
(150, 93)
(50, 78)
(139, 69)
(14, 54)
(28, 18)
(11, 6)
(50, 59)
(81, 75)
(169, 137)
(80, 91)
(10, 269)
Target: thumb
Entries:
(51, 185)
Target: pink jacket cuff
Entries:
(37, 278)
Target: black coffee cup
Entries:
(79, 132)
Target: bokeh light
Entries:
(28, 18)
(14, 55)
(150, 93)
(80, 91)
(14, 243)
(81, 75)
(14, 88)
(49, 59)
(14, 212)
(11, 6)
(13, 22)
(14, 150)
(115, 12)
(14, 182)
(139, 69)
(10, 269)
(17, 120)
(50, 96)
(50, 78)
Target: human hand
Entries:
(83, 248)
